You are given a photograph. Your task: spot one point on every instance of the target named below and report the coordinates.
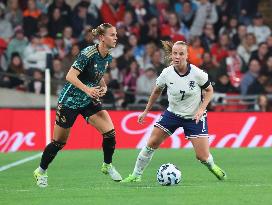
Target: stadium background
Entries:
(229, 39)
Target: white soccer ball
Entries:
(168, 174)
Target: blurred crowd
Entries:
(227, 38)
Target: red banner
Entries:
(25, 130)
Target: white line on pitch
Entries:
(22, 161)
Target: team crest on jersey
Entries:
(192, 84)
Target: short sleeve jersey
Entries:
(92, 67)
(184, 91)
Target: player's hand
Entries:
(93, 92)
(199, 114)
(141, 117)
(102, 91)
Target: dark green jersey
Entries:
(92, 67)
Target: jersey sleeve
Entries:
(81, 62)
(203, 79)
(161, 81)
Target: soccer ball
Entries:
(168, 174)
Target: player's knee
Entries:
(58, 144)
(109, 139)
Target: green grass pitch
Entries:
(75, 178)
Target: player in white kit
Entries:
(187, 108)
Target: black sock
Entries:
(108, 146)
(50, 152)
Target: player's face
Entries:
(110, 37)
(179, 55)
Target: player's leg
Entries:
(146, 154)
(64, 120)
(201, 147)
(166, 125)
(103, 123)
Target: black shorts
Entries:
(65, 117)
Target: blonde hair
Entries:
(100, 30)
(167, 47)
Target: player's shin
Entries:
(108, 145)
(143, 160)
(50, 153)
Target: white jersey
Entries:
(184, 91)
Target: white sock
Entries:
(209, 162)
(41, 170)
(143, 160)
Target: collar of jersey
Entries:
(100, 53)
(187, 72)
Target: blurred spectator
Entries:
(234, 66)
(68, 38)
(262, 104)
(81, 19)
(260, 30)
(206, 13)
(267, 69)
(156, 62)
(240, 35)
(195, 51)
(186, 12)
(150, 49)
(59, 49)
(35, 54)
(37, 85)
(18, 43)
(223, 85)
(208, 37)
(247, 46)
(3, 56)
(115, 73)
(124, 60)
(261, 54)
(150, 32)
(146, 82)
(94, 17)
(64, 8)
(254, 69)
(46, 39)
(130, 78)
(269, 44)
(257, 87)
(138, 49)
(6, 31)
(70, 57)
(58, 74)
(14, 14)
(209, 67)
(56, 23)
(108, 97)
(219, 50)
(140, 9)
(230, 28)
(245, 9)
(16, 69)
(131, 24)
(87, 38)
(30, 20)
(174, 28)
(112, 11)
(268, 86)
(43, 5)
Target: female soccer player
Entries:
(80, 95)
(184, 83)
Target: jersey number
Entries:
(182, 94)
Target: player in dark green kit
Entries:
(80, 95)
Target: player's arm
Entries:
(72, 77)
(206, 99)
(152, 99)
